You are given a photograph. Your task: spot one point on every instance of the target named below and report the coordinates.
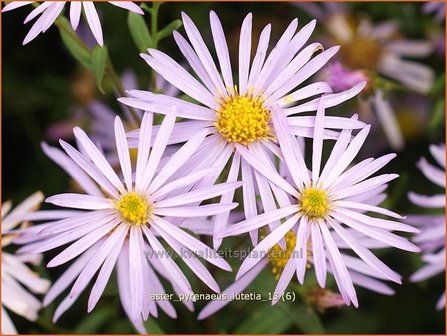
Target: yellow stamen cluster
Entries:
(133, 208)
(243, 119)
(361, 53)
(314, 203)
(278, 257)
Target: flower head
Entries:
(326, 202)
(237, 116)
(18, 280)
(125, 219)
(50, 10)
(432, 236)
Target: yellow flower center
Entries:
(243, 119)
(361, 53)
(133, 208)
(278, 257)
(314, 203)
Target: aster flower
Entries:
(432, 236)
(124, 222)
(325, 202)
(16, 275)
(236, 117)
(435, 7)
(50, 10)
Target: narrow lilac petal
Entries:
(15, 4)
(314, 89)
(438, 152)
(202, 52)
(36, 11)
(346, 158)
(300, 248)
(116, 238)
(378, 234)
(270, 174)
(434, 174)
(235, 288)
(82, 244)
(258, 221)
(261, 250)
(249, 197)
(198, 195)
(174, 271)
(75, 13)
(93, 20)
(317, 147)
(195, 211)
(69, 275)
(158, 149)
(45, 20)
(330, 100)
(177, 160)
(366, 207)
(135, 269)
(371, 284)
(72, 169)
(329, 121)
(144, 144)
(130, 6)
(441, 302)
(123, 153)
(365, 254)
(341, 274)
(319, 255)
(221, 220)
(292, 154)
(104, 273)
(366, 185)
(80, 201)
(221, 49)
(244, 53)
(437, 201)
(98, 158)
(284, 280)
(261, 52)
(191, 243)
(191, 260)
(181, 182)
(89, 168)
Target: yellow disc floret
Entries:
(314, 203)
(361, 53)
(278, 257)
(243, 119)
(133, 208)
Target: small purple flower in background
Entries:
(320, 203)
(15, 272)
(432, 236)
(437, 8)
(121, 215)
(236, 117)
(50, 10)
(341, 78)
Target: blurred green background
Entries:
(42, 84)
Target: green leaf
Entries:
(79, 51)
(92, 322)
(304, 318)
(153, 327)
(167, 31)
(139, 31)
(266, 319)
(99, 61)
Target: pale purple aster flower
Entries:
(124, 222)
(435, 7)
(432, 236)
(50, 10)
(237, 117)
(16, 275)
(325, 202)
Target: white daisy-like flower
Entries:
(50, 10)
(16, 275)
(239, 116)
(323, 202)
(124, 222)
(432, 236)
